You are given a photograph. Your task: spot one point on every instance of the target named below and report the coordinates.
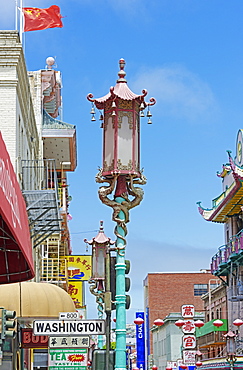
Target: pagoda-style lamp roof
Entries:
(100, 238)
(229, 202)
(120, 90)
(100, 247)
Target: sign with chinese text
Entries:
(189, 357)
(189, 341)
(75, 290)
(69, 342)
(79, 267)
(29, 340)
(187, 311)
(188, 327)
(60, 358)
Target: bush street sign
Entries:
(73, 328)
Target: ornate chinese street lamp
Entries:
(121, 111)
(230, 348)
(99, 282)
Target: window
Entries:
(200, 289)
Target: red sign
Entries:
(16, 250)
(29, 340)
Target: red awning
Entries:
(16, 259)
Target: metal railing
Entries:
(39, 174)
(54, 270)
(233, 247)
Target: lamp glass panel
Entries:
(230, 345)
(109, 144)
(99, 263)
(125, 142)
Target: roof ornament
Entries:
(122, 73)
(50, 63)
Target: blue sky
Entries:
(188, 55)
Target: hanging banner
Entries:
(140, 341)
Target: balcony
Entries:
(210, 334)
(59, 142)
(231, 252)
(40, 191)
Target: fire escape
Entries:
(45, 188)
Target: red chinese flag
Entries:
(39, 19)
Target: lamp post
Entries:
(100, 282)
(230, 348)
(120, 122)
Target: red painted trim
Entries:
(14, 214)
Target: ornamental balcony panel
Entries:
(232, 251)
(59, 142)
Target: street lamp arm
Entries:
(136, 191)
(98, 294)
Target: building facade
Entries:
(165, 293)
(227, 263)
(42, 150)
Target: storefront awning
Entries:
(15, 245)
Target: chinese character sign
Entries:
(188, 327)
(187, 311)
(75, 290)
(69, 342)
(79, 267)
(189, 341)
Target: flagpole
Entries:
(16, 15)
(21, 21)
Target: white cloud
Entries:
(179, 92)
(127, 7)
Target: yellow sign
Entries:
(79, 267)
(75, 290)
